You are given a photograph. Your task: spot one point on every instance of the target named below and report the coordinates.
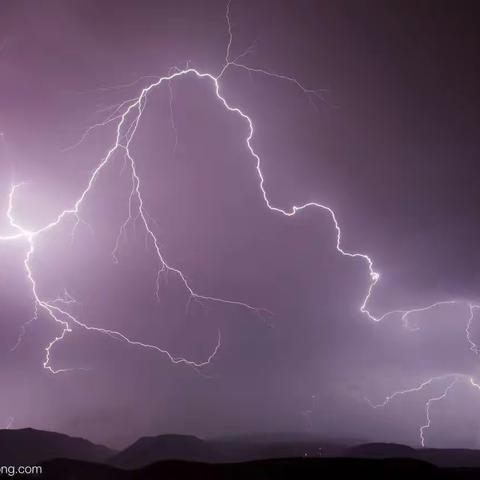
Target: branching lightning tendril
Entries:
(451, 378)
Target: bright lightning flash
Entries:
(126, 118)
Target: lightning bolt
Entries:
(429, 404)
(399, 393)
(59, 315)
(9, 424)
(454, 378)
(473, 345)
(451, 378)
(126, 117)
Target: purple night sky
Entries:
(389, 142)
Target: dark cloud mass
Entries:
(392, 147)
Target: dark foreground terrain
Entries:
(294, 469)
(260, 456)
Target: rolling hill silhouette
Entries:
(382, 450)
(148, 450)
(243, 448)
(29, 447)
(441, 457)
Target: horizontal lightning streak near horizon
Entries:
(454, 379)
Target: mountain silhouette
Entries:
(450, 457)
(258, 456)
(441, 457)
(147, 450)
(30, 447)
(242, 448)
(382, 450)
